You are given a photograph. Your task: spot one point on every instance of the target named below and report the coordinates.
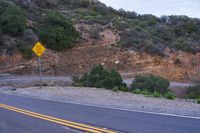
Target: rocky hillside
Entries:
(80, 34)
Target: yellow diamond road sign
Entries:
(38, 49)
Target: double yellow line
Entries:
(74, 125)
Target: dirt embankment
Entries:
(178, 66)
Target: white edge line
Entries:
(101, 106)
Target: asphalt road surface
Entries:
(33, 78)
(68, 79)
(17, 118)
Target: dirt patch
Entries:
(129, 63)
(176, 66)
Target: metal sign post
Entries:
(40, 72)
(39, 49)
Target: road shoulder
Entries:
(110, 99)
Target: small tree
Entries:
(100, 78)
(13, 20)
(57, 32)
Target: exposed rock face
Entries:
(30, 35)
(129, 63)
(25, 3)
(8, 45)
(40, 3)
(46, 3)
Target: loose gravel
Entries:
(108, 98)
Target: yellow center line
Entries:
(74, 125)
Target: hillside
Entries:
(80, 34)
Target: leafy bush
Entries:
(3, 5)
(57, 32)
(175, 32)
(76, 78)
(12, 20)
(140, 40)
(194, 92)
(151, 83)
(27, 53)
(137, 91)
(144, 92)
(198, 101)
(116, 89)
(25, 47)
(170, 95)
(100, 78)
(156, 94)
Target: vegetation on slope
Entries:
(57, 32)
(194, 91)
(100, 78)
(145, 33)
(12, 20)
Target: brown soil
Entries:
(178, 66)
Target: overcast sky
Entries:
(158, 7)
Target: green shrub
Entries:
(198, 101)
(13, 20)
(194, 92)
(27, 53)
(137, 91)
(115, 89)
(76, 78)
(77, 84)
(100, 78)
(25, 49)
(156, 94)
(170, 95)
(151, 83)
(3, 5)
(145, 92)
(57, 32)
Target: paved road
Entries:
(12, 122)
(122, 121)
(33, 78)
(68, 79)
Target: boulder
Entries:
(30, 35)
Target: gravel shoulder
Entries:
(107, 98)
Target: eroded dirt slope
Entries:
(177, 66)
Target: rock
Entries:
(24, 3)
(117, 62)
(30, 35)
(9, 45)
(29, 24)
(46, 3)
(8, 41)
